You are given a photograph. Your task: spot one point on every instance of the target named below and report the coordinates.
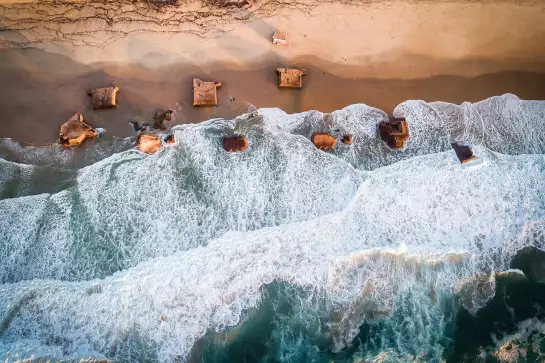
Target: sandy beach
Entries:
(358, 236)
(379, 53)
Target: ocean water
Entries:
(283, 253)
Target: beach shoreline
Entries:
(378, 53)
(280, 235)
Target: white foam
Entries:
(429, 204)
(199, 231)
(130, 207)
(56, 155)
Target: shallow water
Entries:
(283, 252)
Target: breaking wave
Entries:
(280, 253)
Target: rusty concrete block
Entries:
(395, 133)
(104, 97)
(74, 131)
(205, 93)
(464, 153)
(290, 78)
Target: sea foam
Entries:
(141, 256)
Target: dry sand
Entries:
(376, 52)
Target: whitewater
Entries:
(281, 253)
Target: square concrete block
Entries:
(205, 93)
(290, 78)
(395, 132)
(104, 97)
(463, 152)
(280, 38)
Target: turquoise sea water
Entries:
(283, 253)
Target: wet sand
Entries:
(40, 101)
(380, 54)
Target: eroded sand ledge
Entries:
(374, 52)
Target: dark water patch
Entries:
(413, 332)
(21, 180)
(294, 325)
(517, 299)
(283, 328)
(531, 261)
(55, 155)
